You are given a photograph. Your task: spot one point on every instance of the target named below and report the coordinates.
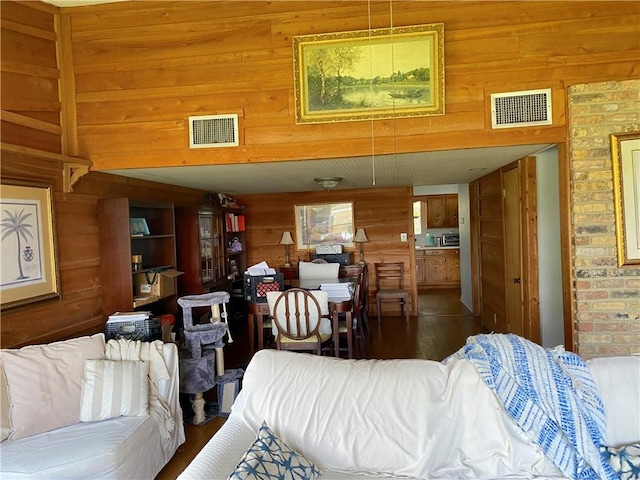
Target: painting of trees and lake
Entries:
(381, 73)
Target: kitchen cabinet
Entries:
(452, 268)
(157, 248)
(442, 211)
(200, 249)
(438, 268)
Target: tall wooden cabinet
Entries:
(117, 245)
(211, 246)
(200, 248)
(235, 241)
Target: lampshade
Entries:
(360, 237)
(328, 182)
(286, 239)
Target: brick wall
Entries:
(607, 298)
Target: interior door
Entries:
(513, 250)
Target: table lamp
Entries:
(286, 240)
(361, 238)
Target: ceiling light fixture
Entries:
(328, 183)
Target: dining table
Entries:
(257, 312)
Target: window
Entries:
(417, 218)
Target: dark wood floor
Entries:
(441, 328)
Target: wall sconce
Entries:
(328, 182)
(361, 238)
(286, 240)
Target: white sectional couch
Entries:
(42, 400)
(397, 418)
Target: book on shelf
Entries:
(234, 222)
(229, 222)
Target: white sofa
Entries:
(46, 389)
(397, 418)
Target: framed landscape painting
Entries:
(29, 269)
(625, 152)
(369, 74)
(324, 224)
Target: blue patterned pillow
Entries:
(624, 460)
(270, 458)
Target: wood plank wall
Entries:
(31, 105)
(32, 116)
(383, 213)
(141, 68)
(136, 70)
(79, 311)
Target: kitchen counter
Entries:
(437, 248)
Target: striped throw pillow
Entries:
(113, 389)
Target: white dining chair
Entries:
(300, 319)
(318, 270)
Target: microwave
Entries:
(450, 240)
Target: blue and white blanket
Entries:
(551, 396)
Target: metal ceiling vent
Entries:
(521, 109)
(210, 131)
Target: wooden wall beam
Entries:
(30, 122)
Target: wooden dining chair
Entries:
(351, 331)
(363, 326)
(300, 319)
(390, 286)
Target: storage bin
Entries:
(146, 330)
(257, 286)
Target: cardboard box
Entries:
(160, 284)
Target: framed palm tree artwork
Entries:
(27, 244)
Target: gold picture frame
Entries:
(625, 155)
(369, 74)
(324, 224)
(29, 269)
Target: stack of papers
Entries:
(260, 269)
(338, 292)
(128, 316)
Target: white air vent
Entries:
(521, 109)
(210, 131)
